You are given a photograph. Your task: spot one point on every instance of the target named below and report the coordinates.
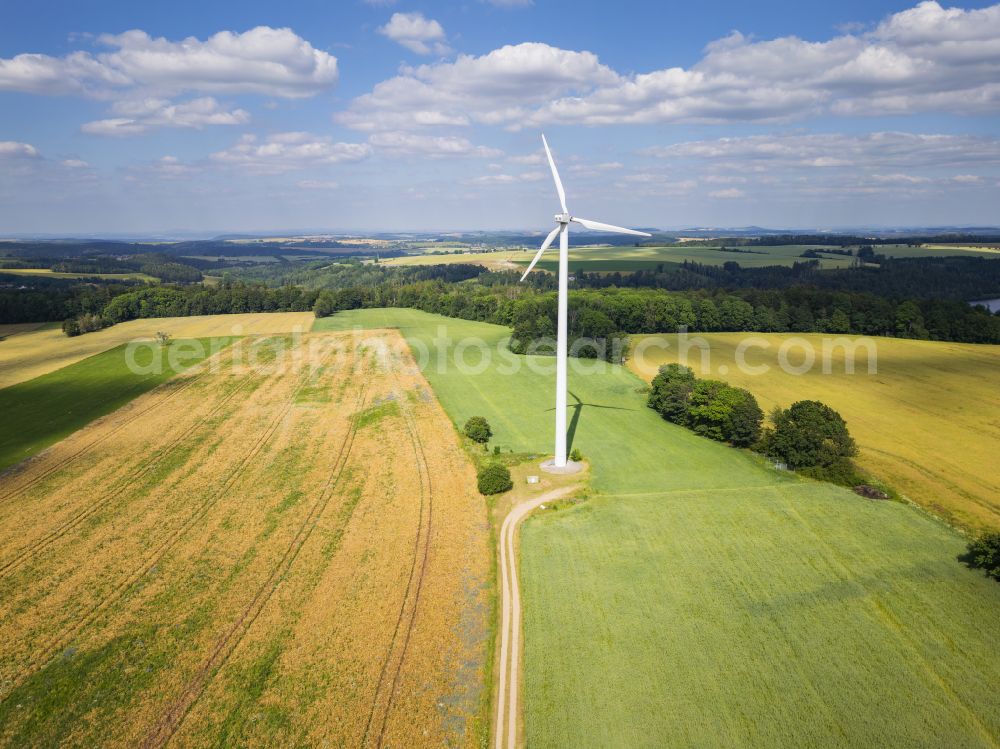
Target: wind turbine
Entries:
(563, 221)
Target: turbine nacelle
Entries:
(564, 219)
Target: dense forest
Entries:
(603, 313)
(948, 277)
(911, 297)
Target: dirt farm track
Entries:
(243, 557)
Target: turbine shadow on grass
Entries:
(574, 422)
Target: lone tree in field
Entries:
(478, 430)
(984, 554)
(809, 434)
(494, 479)
(163, 338)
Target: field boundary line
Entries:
(226, 645)
(414, 582)
(90, 445)
(48, 651)
(204, 366)
(9, 567)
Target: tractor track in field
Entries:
(231, 639)
(35, 480)
(9, 567)
(47, 651)
(387, 689)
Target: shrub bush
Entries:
(478, 430)
(840, 471)
(84, 324)
(870, 492)
(575, 455)
(984, 554)
(494, 479)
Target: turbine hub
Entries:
(563, 218)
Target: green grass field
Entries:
(39, 412)
(702, 599)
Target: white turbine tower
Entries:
(562, 229)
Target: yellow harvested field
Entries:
(49, 273)
(270, 556)
(927, 423)
(500, 260)
(35, 353)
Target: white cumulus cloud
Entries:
(263, 60)
(417, 33)
(926, 58)
(495, 88)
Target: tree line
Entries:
(609, 312)
(809, 436)
(958, 278)
(600, 312)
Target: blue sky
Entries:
(151, 117)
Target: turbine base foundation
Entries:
(571, 466)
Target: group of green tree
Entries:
(601, 317)
(809, 436)
(959, 278)
(914, 298)
(709, 407)
(609, 313)
(186, 301)
(46, 299)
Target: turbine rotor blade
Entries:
(545, 246)
(555, 176)
(598, 226)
